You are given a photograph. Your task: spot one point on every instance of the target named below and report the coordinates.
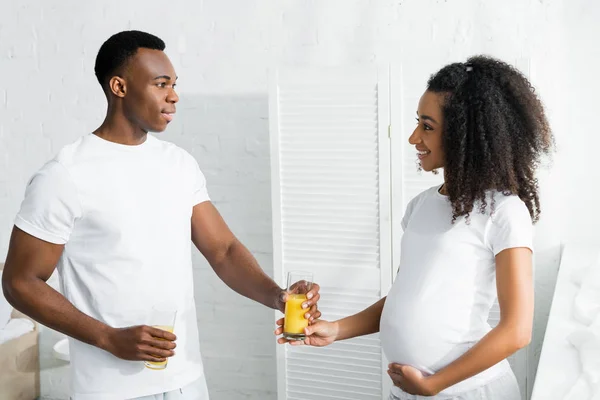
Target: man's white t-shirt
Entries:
(124, 215)
(439, 304)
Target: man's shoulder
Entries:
(171, 148)
(69, 153)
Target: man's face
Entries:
(150, 96)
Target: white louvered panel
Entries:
(354, 301)
(331, 216)
(344, 370)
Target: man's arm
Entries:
(235, 265)
(29, 264)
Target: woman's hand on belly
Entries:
(411, 380)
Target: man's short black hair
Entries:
(119, 48)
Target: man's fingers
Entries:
(312, 312)
(162, 344)
(161, 334)
(156, 352)
(314, 316)
(313, 293)
(148, 357)
(311, 302)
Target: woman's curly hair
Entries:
(495, 132)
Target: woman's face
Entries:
(427, 136)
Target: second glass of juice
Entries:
(161, 317)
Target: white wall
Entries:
(581, 140)
(222, 51)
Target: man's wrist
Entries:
(277, 301)
(102, 338)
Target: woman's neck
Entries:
(443, 189)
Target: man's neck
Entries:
(119, 129)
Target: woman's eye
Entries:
(425, 126)
(162, 85)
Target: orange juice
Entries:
(294, 323)
(162, 364)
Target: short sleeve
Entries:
(510, 226)
(51, 205)
(200, 193)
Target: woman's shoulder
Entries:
(432, 191)
(502, 204)
(416, 201)
(503, 199)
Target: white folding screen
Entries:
(331, 216)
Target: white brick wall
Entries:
(222, 50)
(582, 141)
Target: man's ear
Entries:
(118, 86)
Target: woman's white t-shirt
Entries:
(439, 304)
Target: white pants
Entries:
(503, 388)
(196, 390)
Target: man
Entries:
(116, 211)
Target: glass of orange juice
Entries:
(162, 317)
(299, 284)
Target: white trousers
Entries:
(503, 388)
(196, 390)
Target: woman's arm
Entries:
(323, 333)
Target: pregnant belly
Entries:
(422, 341)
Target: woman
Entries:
(465, 242)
